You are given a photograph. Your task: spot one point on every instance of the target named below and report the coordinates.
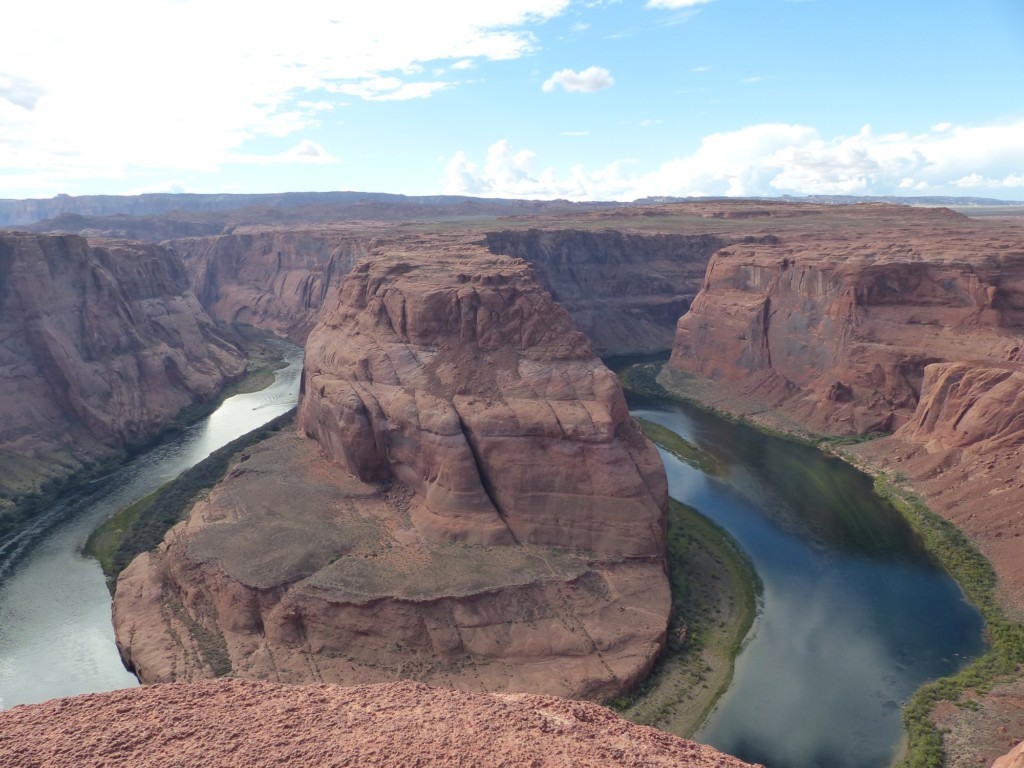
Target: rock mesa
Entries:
(468, 504)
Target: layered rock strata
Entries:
(625, 291)
(273, 278)
(475, 508)
(101, 344)
(237, 723)
(913, 327)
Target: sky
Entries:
(574, 99)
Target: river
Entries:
(855, 614)
(56, 638)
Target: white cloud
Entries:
(772, 159)
(19, 91)
(675, 4)
(463, 64)
(307, 152)
(391, 89)
(86, 94)
(702, 68)
(585, 81)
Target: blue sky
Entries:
(520, 98)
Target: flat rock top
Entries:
(239, 723)
(284, 514)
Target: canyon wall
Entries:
(101, 344)
(467, 503)
(837, 330)
(276, 279)
(911, 327)
(625, 291)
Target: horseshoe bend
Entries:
(465, 500)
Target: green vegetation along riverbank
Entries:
(715, 593)
(714, 603)
(1002, 663)
(141, 526)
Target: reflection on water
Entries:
(56, 637)
(855, 615)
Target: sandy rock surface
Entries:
(224, 723)
(1013, 759)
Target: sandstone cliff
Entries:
(625, 291)
(476, 509)
(836, 327)
(100, 344)
(236, 723)
(1013, 759)
(276, 279)
(908, 322)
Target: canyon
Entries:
(902, 323)
(466, 501)
(102, 343)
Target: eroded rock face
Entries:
(475, 508)
(465, 381)
(100, 344)
(909, 322)
(233, 722)
(625, 291)
(1013, 759)
(273, 278)
(836, 328)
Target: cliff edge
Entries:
(237, 723)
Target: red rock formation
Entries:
(100, 344)
(625, 291)
(879, 320)
(1013, 759)
(236, 723)
(517, 543)
(273, 278)
(465, 381)
(835, 328)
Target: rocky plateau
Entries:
(468, 503)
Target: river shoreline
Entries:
(24, 522)
(56, 637)
(927, 715)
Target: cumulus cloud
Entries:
(19, 91)
(586, 81)
(772, 159)
(307, 151)
(240, 74)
